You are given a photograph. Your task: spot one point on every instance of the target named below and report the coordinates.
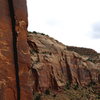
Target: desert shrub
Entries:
(54, 95)
(37, 97)
(32, 51)
(92, 83)
(89, 59)
(47, 92)
(34, 32)
(42, 34)
(75, 86)
(68, 85)
(29, 32)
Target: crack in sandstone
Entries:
(13, 21)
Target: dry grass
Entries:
(71, 94)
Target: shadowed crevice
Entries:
(13, 21)
(69, 75)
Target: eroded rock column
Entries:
(7, 67)
(20, 10)
(10, 58)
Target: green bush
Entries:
(34, 32)
(75, 86)
(68, 85)
(90, 59)
(42, 34)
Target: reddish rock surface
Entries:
(50, 64)
(53, 65)
(83, 51)
(8, 85)
(23, 49)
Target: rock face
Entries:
(53, 65)
(14, 51)
(83, 51)
(50, 64)
(91, 54)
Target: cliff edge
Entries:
(53, 64)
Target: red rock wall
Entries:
(53, 66)
(7, 68)
(83, 51)
(23, 50)
(8, 89)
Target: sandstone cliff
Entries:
(53, 65)
(14, 51)
(91, 54)
(50, 66)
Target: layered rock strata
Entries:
(53, 65)
(50, 66)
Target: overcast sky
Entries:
(72, 22)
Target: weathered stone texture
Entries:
(23, 50)
(8, 90)
(53, 65)
(7, 69)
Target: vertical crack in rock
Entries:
(69, 74)
(12, 15)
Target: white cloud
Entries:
(69, 21)
(95, 33)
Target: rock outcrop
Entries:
(14, 51)
(83, 51)
(40, 64)
(53, 65)
(91, 54)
